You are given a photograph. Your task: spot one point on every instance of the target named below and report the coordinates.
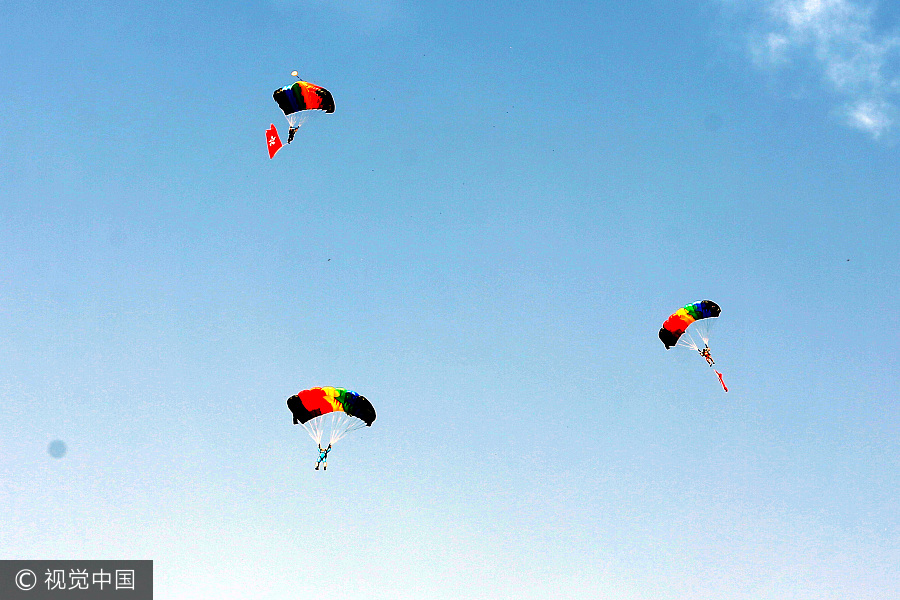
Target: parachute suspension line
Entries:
(703, 329)
(694, 338)
(346, 423)
(687, 341)
(309, 431)
(335, 424)
(342, 425)
(353, 425)
(703, 332)
(319, 427)
(697, 335)
(308, 428)
(701, 338)
(297, 119)
(314, 428)
(335, 427)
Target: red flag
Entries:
(721, 381)
(272, 140)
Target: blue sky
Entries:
(483, 239)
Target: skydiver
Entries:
(323, 457)
(705, 354)
(291, 132)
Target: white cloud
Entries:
(775, 47)
(839, 42)
(874, 117)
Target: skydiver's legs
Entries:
(291, 132)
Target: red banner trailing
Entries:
(721, 381)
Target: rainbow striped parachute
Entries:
(333, 410)
(678, 322)
(297, 99)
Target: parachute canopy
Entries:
(314, 402)
(678, 322)
(302, 96)
(334, 409)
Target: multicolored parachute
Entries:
(297, 99)
(678, 322)
(335, 410)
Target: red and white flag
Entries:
(273, 141)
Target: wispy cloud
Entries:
(839, 40)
